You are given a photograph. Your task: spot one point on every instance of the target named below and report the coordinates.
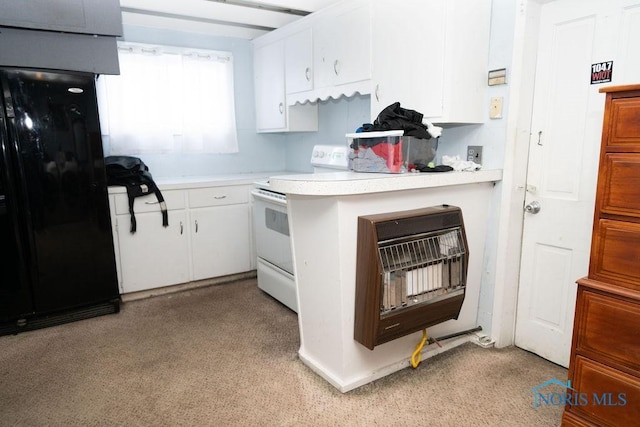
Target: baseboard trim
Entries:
(133, 296)
(346, 385)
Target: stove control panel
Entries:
(330, 156)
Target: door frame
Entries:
(514, 177)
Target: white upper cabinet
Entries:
(273, 114)
(342, 47)
(431, 56)
(299, 61)
(268, 63)
(410, 69)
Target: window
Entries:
(169, 100)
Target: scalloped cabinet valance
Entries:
(431, 56)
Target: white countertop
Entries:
(181, 182)
(351, 183)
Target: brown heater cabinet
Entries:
(411, 272)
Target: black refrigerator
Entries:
(58, 262)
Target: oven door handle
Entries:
(267, 198)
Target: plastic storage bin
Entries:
(389, 152)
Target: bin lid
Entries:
(381, 134)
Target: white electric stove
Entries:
(271, 228)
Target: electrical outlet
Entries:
(474, 153)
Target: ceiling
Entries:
(244, 19)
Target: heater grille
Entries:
(422, 269)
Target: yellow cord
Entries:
(416, 356)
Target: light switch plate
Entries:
(474, 153)
(495, 108)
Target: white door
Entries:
(563, 160)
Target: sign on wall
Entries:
(601, 72)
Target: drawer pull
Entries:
(151, 203)
(220, 197)
(181, 227)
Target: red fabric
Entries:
(392, 153)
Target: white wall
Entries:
(336, 117)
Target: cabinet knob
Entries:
(307, 74)
(377, 92)
(281, 108)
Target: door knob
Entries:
(533, 207)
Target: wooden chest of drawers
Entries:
(605, 356)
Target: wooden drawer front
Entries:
(624, 132)
(173, 198)
(620, 184)
(615, 253)
(607, 396)
(217, 196)
(609, 327)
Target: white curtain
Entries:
(166, 101)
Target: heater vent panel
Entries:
(411, 272)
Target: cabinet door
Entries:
(619, 184)
(299, 62)
(610, 396)
(220, 241)
(433, 59)
(404, 69)
(615, 253)
(342, 48)
(154, 255)
(606, 328)
(624, 132)
(269, 86)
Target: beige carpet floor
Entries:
(226, 355)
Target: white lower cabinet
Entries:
(219, 241)
(153, 256)
(220, 231)
(208, 235)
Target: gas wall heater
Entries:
(411, 272)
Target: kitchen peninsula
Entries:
(323, 210)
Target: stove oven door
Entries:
(271, 226)
(273, 247)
